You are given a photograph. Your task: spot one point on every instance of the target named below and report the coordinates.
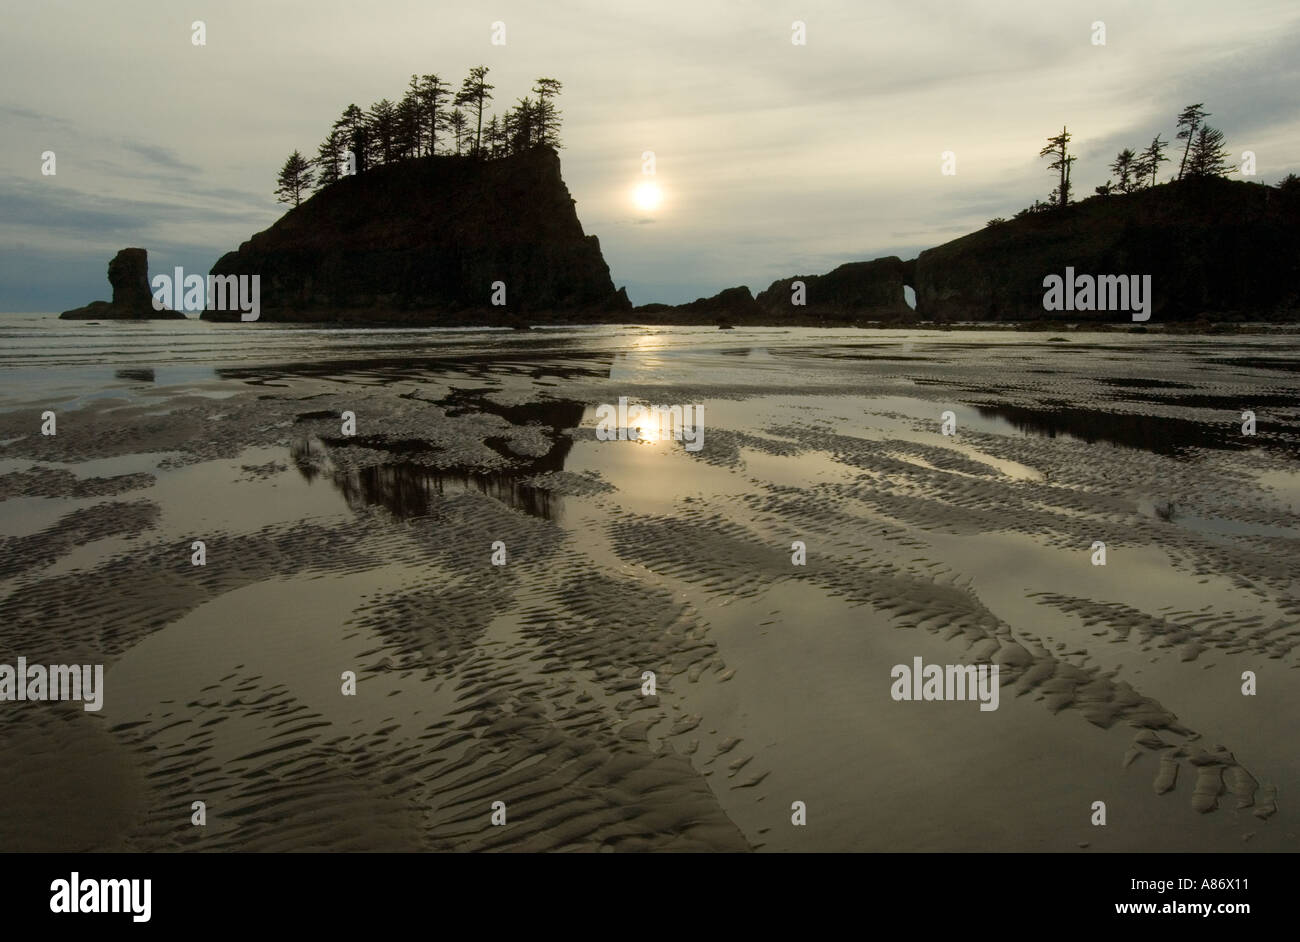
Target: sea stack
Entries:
(128, 273)
(432, 240)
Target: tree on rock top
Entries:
(476, 92)
(1058, 149)
(1188, 123)
(548, 116)
(295, 176)
(1208, 156)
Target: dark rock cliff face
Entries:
(424, 241)
(1216, 249)
(128, 273)
(857, 290)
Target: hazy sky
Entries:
(775, 159)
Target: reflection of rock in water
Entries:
(1162, 435)
(409, 489)
(311, 457)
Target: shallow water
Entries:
(523, 682)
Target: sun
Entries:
(647, 196)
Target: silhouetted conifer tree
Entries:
(1188, 124)
(410, 127)
(494, 137)
(1150, 160)
(329, 159)
(295, 176)
(521, 126)
(1208, 156)
(434, 93)
(547, 116)
(1125, 166)
(355, 129)
(383, 130)
(476, 93)
(458, 125)
(1058, 149)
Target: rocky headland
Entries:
(1214, 249)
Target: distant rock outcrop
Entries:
(851, 292)
(432, 240)
(731, 305)
(1214, 249)
(128, 273)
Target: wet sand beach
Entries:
(523, 683)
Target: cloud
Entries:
(161, 156)
(13, 113)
